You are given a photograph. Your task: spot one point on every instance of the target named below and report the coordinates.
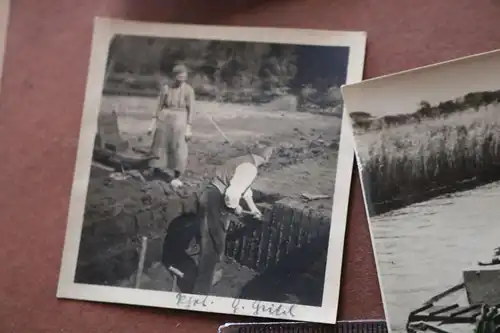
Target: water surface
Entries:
(422, 249)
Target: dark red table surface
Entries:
(43, 86)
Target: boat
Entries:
(482, 291)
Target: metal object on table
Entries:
(358, 326)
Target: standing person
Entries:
(172, 126)
(231, 183)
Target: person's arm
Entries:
(161, 101)
(190, 103)
(159, 107)
(243, 178)
(248, 197)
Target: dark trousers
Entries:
(213, 229)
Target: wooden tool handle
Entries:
(176, 271)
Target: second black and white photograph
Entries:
(213, 172)
(428, 146)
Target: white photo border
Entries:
(4, 25)
(104, 30)
(349, 90)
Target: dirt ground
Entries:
(306, 154)
(304, 162)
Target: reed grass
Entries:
(410, 162)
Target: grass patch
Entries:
(404, 164)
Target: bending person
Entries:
(232, 183)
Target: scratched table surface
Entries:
(43, 86)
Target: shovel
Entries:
(177, 275)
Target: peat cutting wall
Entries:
(110, 243)
(119, 213)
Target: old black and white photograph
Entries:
(428, 145)
(213, 169)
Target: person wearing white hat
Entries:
(171, 126)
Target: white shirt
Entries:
(239, 187)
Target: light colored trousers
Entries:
(169, 141)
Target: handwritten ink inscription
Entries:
(255, 308)
(193, 301)
(259, 308)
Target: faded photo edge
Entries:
(352, 91)
(4, 25)
(103, 32)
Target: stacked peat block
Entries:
(119, 212)
(110, 241)
(110, 238)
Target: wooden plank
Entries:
(103, 167)
(443, 318)
(308, 230)
(294, 228)
(425, 327)
(237, 248)
(254, 246)
(285, 229)
(279, 234)
(304, 221)
(271, 231)
(244, 249)
(116, 160)
(248, 251)
(445, 293)
(463, 310)
(472, 315)
(264, 240)
(230, 246)
(420, 309)
(442, 314)
(437, 309)
(273, 243)
(443, 311)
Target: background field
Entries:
(230, 71)
(277, 93)
(307, 144)
(424, 158)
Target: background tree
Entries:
(229, 71)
